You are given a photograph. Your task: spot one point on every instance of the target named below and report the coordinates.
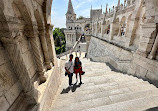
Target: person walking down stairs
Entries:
(78, 69)
(69, 69)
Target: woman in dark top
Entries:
(78, 68)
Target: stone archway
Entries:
(122, 26)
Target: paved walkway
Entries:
(105, 90)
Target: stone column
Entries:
(14, 53)
(147, 39)
(36, 49)
(72, 38)
(102, 29)
(120, 27)
(154, 49)
(68, 38)
(96, 29)
(42, 35)
(111, 31)
(50, 43)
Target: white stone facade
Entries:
(126, 37)
(75, 27)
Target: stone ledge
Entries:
(112, 43)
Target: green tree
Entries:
(59, 38)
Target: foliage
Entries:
(81, 17)
(59, 38)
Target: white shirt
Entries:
(69, 66)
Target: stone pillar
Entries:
(111, 31)
(50, 42)
(96, 29)
(102, 28)
(66, 37)
(14, 53)
(35, 44)
(154, 49)
(42, 35)
(147, 39)
(73, 38)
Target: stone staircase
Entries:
(105, 90)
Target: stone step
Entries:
(111, 90)
(103, 80)
(78, 106)
(106, 79)
(104, 89)
(113, 96)
(132, 105)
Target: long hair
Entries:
(76, 61)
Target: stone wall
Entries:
(29, 70)
(122, 59)
(135, 51)
(10, 87)
(103, 51)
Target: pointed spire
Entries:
(70, 8)
(118, 2)
(91, 7)
(101, 9)
(106, 9)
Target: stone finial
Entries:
(101, 7)
(106, 9)
(118, 3)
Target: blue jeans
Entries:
(70, 78)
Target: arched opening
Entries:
(108, 27)
(87, 28)
(122, 26)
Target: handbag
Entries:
(83, 73)
(66, 73)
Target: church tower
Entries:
(70, 15)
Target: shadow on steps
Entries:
(73, 89)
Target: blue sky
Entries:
(81, 8)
